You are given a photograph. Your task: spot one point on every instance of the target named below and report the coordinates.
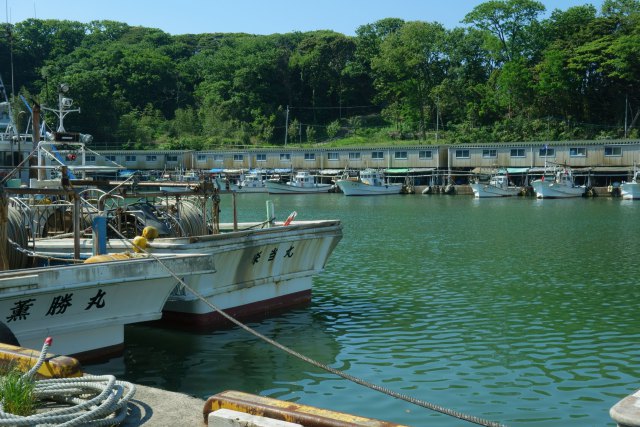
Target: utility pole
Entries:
(286, 127)
(626, 109)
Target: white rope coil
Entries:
(97, 400)
(91, 400)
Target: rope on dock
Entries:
(95, 400)
(406, 398)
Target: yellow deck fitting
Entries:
(286, 411)
(54, 366)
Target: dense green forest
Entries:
(510, 72)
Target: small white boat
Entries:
(560, 185)
(84, 307)
(499, 185)
(180, 182)
(370, 182)
(252, 182)
(631, 190)
(302, 183)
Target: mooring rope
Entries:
(91, 400)
(418, 402)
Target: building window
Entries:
(425, 154)
(333, 156)
(517, 152)
(354, 156)
(310, 156)
(489, 154)
(151, 158)
(90, 158)
(613, 151)
(172, 158)
(400, 155)
(218, 157)
(578, 152)
(377, 155)
(547, 152)
(462, 154)
(261, 157)
(201, 158)
(238, 157)
(285, 157)
(110, 158)
(129, 158)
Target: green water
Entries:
(516, 310)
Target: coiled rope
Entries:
(97, 400)
(406, 398)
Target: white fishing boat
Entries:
(303, 182)
(631, 190)
(558, 184)
(252, 182)
(85, 307)
(370, 182)
(14, 145)
(499, 185)
(179, 182)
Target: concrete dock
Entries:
(152, 407)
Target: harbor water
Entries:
(515, 310)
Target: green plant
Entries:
(17, 393)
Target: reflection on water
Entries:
(516, 310)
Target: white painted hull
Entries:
(84, 307)
(481, 190)
(252, 272)
(551, 190)
(357, 188)
(630, 190)
(280, 188)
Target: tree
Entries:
(412, 62)
(511, 26)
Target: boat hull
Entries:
(551, 190)
(285, 188)
(486, 190)
(252, 272)
(84, 307)
(357, 188)
(630, 190)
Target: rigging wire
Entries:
(406, 398)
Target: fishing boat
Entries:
(180, 181)
(499, 185)
(370, 182)
(85, 307)
(631, 190)
(557, 183)
(303, 182)
(14, 145)
(252, 182)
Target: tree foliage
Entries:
(508, 75)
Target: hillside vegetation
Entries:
(506, 75)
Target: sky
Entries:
(254, 16)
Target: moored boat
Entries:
(499, 185)
(84, 307)
(558, 185)
(370, 182)
(631, 190)
(302, 183)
